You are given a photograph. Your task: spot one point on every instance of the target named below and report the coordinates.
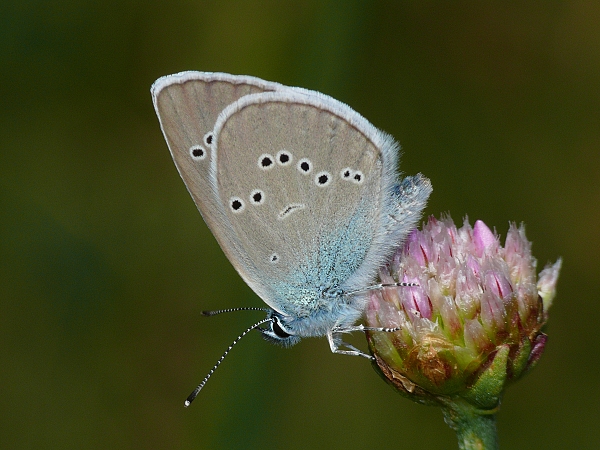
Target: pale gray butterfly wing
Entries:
(187, 105)
(312, 206)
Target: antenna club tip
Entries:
(187, 403)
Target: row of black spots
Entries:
(237, 205)
(199, 152)
(349, 174)
(267, 162)
(322, 179)
(304, 166)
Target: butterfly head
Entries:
(277, 332)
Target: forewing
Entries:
(187, 105)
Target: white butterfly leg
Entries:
(334, 337)
(335, 342)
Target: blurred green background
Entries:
(105, 264)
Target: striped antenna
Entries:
(194, 394)
(244, 308)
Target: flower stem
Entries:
(475, 428)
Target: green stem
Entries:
(475, 428)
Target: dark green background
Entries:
(106, 264)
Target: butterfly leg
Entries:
(335, 342)
(334, 337)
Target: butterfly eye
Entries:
(197, 152)
(265, 162)
(278, 330)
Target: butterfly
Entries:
(301, 192)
